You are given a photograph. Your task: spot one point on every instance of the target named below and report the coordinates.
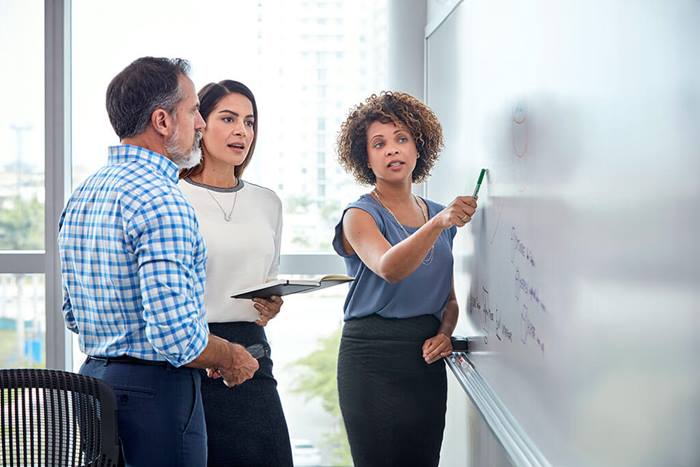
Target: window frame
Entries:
(57, 117)
(57, 166)
(56, 146)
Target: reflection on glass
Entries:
(304, 338)
(22, 125)
(22, 321)
(306, 61)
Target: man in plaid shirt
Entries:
(133, 268)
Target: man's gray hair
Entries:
(147, 84)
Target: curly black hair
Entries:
(398, 108)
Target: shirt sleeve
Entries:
(67, 308)
(68, 317)
(168, 248)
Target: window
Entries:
(22, 320)
(292, 107)
(304, 341)
(22, 199)
(22, 126)
(314, 83)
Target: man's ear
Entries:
(161, 122)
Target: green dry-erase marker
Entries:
(478, 183)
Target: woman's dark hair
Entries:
(147, 84)
(401, 109)
(209, 96)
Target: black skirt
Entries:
(393, 403)
(245, 425)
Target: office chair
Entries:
(56, 418)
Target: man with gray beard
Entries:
(133, 270)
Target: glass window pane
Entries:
(22, 321)
(22, 125)
(77, 356)
(304, 338)
(307, 63)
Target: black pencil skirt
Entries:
(393, 403)
(245, 424)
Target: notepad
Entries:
(283, 287)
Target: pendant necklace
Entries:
(429, 257)
(227, 216)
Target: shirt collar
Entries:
(130, 153)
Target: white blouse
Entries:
(242, 252)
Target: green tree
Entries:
(22, 225)
(317, 380)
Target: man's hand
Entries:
(239, 367)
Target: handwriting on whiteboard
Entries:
(522, 313)
(519, 248)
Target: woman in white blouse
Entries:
(242, 225)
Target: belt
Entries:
(132, 360)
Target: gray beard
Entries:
(184, 160)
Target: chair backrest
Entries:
(57, 418)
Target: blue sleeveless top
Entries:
(424, 292)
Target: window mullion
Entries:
(57, 182)
(311, 264)
(24, 262)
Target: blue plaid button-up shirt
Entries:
(133, 261)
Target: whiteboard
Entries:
(581, 271)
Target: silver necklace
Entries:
(227, 216)
(429, 257)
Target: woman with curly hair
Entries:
(401, 309)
